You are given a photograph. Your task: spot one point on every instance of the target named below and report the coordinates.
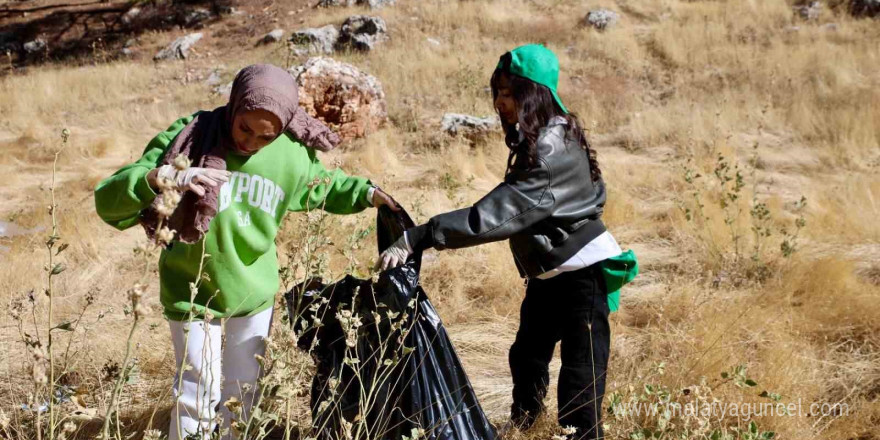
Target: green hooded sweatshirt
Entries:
(242, 263)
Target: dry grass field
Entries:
(740, 144)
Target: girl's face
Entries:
(252, 130)
(504, 102)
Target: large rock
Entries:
(600, 19)
(341, 95)
(808, 10)
(179, 48)
(315, 40)
(371, 3)
(865, 8)
(470, 127)
(362, 32)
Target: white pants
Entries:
(213, 374)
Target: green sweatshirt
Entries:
(242, 266)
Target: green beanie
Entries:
(537, 63)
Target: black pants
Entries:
(571, 307)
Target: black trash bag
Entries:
(385, 365)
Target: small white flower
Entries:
(39, 354)
(165, 185)
(323, 406)
(39, 374)
(163, 210)
(182, 162)
(165, 235)
(351, 339)
(137, 292)
(4, 420)
(172, 197)
(153, 434)
(233, 405)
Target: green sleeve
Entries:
(121, 197)
(331, 190)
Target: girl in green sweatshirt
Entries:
(249, 168)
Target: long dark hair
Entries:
(535, 108)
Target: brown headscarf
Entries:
(207, 139)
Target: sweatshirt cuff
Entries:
(370, 191)
(420, 237)
(142, 189)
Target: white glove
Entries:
(193, 179)
(395, 255)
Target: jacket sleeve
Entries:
(523, 199)
(121, 197)
(331, 190)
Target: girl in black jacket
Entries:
(549, 207)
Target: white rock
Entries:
(468, 126)
(179, 48)
(214, 78)
(272, 37)
(362, 32)
(601, 19)
(373, 4)
(129, 16)
(315, 40)
(809, 11)
(196, 17)
(35, 46)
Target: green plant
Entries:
(454, 187)
(728, 187)
(53, 269)
(657, 410)
(354, 243)
(789, 239)
(730, 183)
(469, 80)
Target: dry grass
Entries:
(674, 80)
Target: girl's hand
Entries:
(395, 255)
(380, 198)
(191, 179)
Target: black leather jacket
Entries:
(549, 211)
